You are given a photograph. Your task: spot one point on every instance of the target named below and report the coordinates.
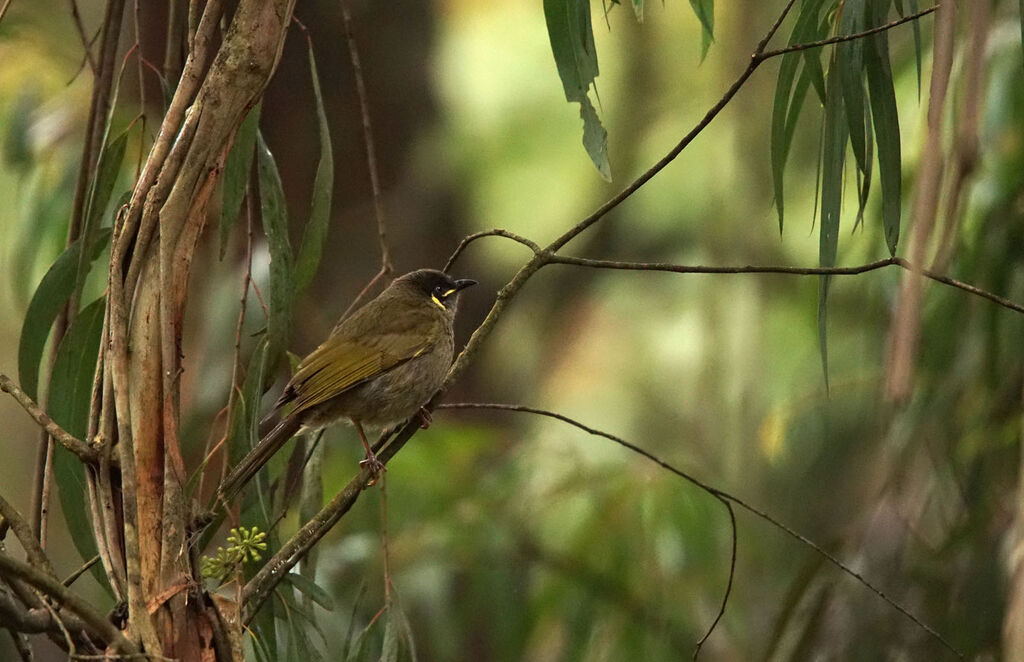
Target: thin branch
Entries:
(73, 577)
(3, 9)
(371, 151)
(84, 451)
(848, 37)
(496, 232)
(796, 271)
(33, 550)
(63, 597)
(18, 618)
(717, 493)
(86, 45)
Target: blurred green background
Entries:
(519, 538)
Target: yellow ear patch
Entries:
(438, 301)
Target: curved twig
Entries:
(496, 232)
(717, 493)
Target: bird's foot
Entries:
(376, 467)
(425, 418)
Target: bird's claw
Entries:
(376, 467)
(425, 418)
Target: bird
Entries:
(378, 367)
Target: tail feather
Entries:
(257, 458)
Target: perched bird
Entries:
(378, 367)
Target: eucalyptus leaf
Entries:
(236, 175)
(705, 11)
(50, 296)
(887, 129)
(275, 226)
(312, 589)
(833, 158)
(572, 44)
(311, 249)
(69, 400)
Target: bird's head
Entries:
(435, 287)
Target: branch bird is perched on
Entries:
(378, 367)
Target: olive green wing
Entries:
(340, 364)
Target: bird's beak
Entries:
(463, 283)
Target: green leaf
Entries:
(275, 226)
(312, 589)
(50, 296)
(887, 131)
(833, 158)
(595, 139)
(389, 651)
(311, 249)
(70, 397)
(850, 62)
(705, 11)
(572, 44)
(638, 9)
(864, 186)
(108, 168)
(236, 175)
(784, 110)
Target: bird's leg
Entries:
(376, 466)
(425, 418)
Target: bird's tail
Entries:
(257, 457)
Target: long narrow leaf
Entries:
(783, 109)
(236, 175)
(833, 157)
(705, 11)
(70, 396)
(275, 226)
(312, 245)
(572, 45)
(50, 296)
(850, 62)
(887, 130)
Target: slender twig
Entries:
(84, 451)
(496, 232)
(63, 597)
(371, 151)
(715, 492)
(73, 577)
(86, 46)
(848, 37)
(33, 549)
(796, 271)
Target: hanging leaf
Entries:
(108, 168)
(705, 11)
(236, 175)
(784, 110)
(50, 296)
(833, 156)
(887, 127)
(572, 44)
(311, 249)
(70, 396)
(275, 226)
(865, 185)
(389, 651)
(312, 589)
(850, 62)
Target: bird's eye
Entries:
(438, 291)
